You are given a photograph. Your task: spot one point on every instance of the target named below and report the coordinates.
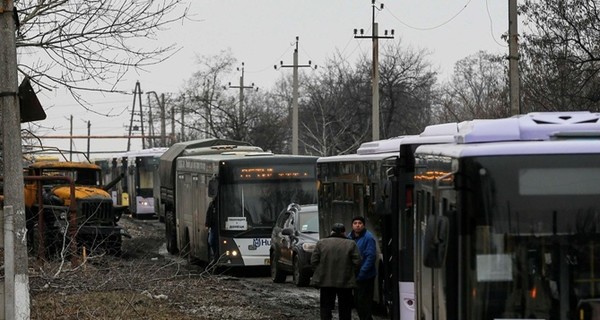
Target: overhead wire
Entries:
(487, 8)
(278, 59)
(433, 27)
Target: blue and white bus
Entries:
(250, 189)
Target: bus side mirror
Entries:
(213, 186)
(435, 241)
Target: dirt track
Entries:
(145, 284)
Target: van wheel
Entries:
(301, 279)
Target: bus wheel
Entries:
(170, 232)
(186, 250)
(301, 279)
(277, 274)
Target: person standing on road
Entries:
(365, 279)
(335, 261)
(212, 223)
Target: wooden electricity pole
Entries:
(375, 72)
(242, 132)
(16, 281)
(295, 67)
(513, 58)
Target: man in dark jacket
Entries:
(212, 224)
(335, 260)
(365, 279)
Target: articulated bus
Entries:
(250, 189)
(358, 184)
(508, 220)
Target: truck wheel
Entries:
(170, 232)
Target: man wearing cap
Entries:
(335, 260)
(365, 278)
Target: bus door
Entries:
(436, 217)
(199, 235)
(359, 199)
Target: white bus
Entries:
(142, 175)
(363, 184)
(250, 189)
(508, 220)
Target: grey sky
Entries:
(261, 33)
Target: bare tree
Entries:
(208, 110)
(407, 81)
(335, 113)
(478, 88)
(561, 59)
(89, 45)
(268, 122)
(212, 111)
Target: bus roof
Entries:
(243, 157)
(511, 148)
(151, 152)
(532, 126)
(382, 149)
(509, 135)
(167, 159)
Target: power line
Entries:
(434, 27)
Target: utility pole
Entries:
(137, 93)
(163, 123)
(16, 281)
(150, 125)
(161, 105)
(241, 109)
(513, 58)
(173, 137)
(295, 95)
(183, 119)
(375, 72)
(89, 125)
(71, 140)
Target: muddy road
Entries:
(148, 283)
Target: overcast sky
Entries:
(261, 33)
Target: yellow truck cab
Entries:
(48, 199)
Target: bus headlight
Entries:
(309, 246)
(232, 253)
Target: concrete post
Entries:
(12, 153)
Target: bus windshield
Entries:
(532, 237)
(248, 205)
(147, 167)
